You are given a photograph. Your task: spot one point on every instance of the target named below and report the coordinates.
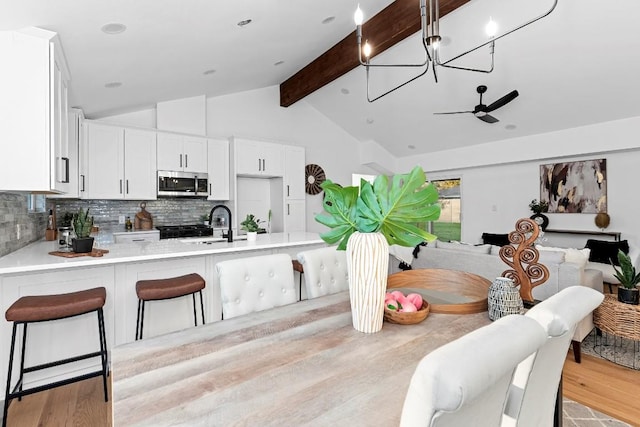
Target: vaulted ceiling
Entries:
(577, 66)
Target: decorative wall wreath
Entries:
(314, 176)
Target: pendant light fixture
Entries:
(430, 37)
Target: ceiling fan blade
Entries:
(456, 112)
(502, 101)
(487, 118)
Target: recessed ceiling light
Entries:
(411, 147)
(328, 19)
(278, 63)
(244, 22)
(113, 85)
(510, 127)
(344, 91)
(370, 121)
(209, 72)
(113, 28)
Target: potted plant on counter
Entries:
(251, 226)
(364, 221)
(627, 291)
(82, 225)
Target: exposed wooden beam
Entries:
(393, 24)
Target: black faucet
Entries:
(230, 232)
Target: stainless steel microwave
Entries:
(182, 184)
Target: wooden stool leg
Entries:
(201, 307)
(8, 389)
(577, 352)
(103, 352)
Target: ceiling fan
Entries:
(482, 111)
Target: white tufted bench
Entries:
(255, 284)
(325, 271)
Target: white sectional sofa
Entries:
(485, 261)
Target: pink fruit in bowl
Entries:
(391, 304)
(416, 300)
(408, 307)
(397, 295)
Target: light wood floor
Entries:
(599, 384)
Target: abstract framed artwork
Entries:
(575, 187)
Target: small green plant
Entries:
(391, 208)
(538, 207)
(250, 223)
(82, 223)
(626, 274)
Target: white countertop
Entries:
(35, 257)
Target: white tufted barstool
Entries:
(255, 284)
(325, 271)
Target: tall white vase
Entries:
(368, 266)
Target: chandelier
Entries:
(430, 28)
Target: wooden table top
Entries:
(301, 364)
(447, 291)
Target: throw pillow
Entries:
(577, 256)
(606, 252)
(495, 239)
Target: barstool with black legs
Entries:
(43, 308)
(174, 287)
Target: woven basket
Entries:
(409, 318)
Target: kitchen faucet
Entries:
(230, 232)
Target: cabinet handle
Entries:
(120, 186)
(186, 160)
(287, 190)
(127, 186)
(259, 165)
(82, 180)
(66, 170)
(180, 160)
(137, 240)
(264, 165)
(209, 189)
(288, 209)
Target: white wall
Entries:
(501, 178)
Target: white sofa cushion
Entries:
(607, 271)
(481, 249)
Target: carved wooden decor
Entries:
(525, 270)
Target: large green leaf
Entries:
(393, 210)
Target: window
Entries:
(448, 227)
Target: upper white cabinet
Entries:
(294, 172)
(182, 153)
(71, 162)
(117, 163)
(34, 81)
(257, 158)
(218, 162)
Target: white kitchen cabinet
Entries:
(137, 236)
(72, 163)
(182, 153)
(257, 158)
(218, 163)
(294, 216)
(294, 172)
(117, 163)
(34, 82)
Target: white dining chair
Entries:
(465, 382)
(535, 387)
(325, 271)
(255, 283)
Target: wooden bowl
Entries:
(410, 318)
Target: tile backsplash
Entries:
(167, 211)
(18, 228)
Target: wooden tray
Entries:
(93, 253)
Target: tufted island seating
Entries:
(564, 271)
(325, 271)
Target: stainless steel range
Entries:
(188, 230)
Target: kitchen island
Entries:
(32, 271)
